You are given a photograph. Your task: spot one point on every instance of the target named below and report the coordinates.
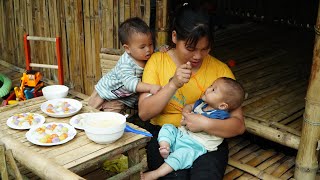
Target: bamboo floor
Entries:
(273, 65)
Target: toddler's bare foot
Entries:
(164, 151)
(148, 176)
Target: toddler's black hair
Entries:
(131, 26)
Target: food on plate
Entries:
(51, 133)
(61, 107)
(25, 119)
(78, 120)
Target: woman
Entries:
(185, 72)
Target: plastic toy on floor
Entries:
(5, 85)
(30, 85)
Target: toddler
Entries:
(123, 82)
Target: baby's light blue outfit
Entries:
(121, 82)
(185, 149)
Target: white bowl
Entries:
(55, 91)
(104, 127)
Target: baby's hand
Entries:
(187, 108)
(154, 89)
(164, 48)
(183, 122)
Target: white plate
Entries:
(74, 107)
(34, 137)
(23, 122)
(77, 120)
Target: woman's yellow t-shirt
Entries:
(160, 68)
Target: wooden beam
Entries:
(272, 134)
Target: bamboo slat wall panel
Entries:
(85, 26)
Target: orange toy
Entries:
(30, 78)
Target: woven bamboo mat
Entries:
(249, 161)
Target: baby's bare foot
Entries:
(164, 151)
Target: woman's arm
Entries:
(226, 128)
(151, 106)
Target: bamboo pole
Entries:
(272, 134)
(306, 161)
(3, 164)
(13, 165)
(161, 22)
(134, 169)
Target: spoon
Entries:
(130, 129)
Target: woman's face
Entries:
(195, 54)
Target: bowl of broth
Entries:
(104, 127)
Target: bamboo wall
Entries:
(84, 27)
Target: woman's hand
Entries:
(226, 128)
(182, 75)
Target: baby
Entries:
(180, 147)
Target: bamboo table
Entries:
(79, 154)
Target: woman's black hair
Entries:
(191, 24)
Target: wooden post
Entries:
(3, 165)
(306, 161)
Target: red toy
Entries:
(231, 63)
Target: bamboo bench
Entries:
(109, 58)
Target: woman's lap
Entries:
(208, 166)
